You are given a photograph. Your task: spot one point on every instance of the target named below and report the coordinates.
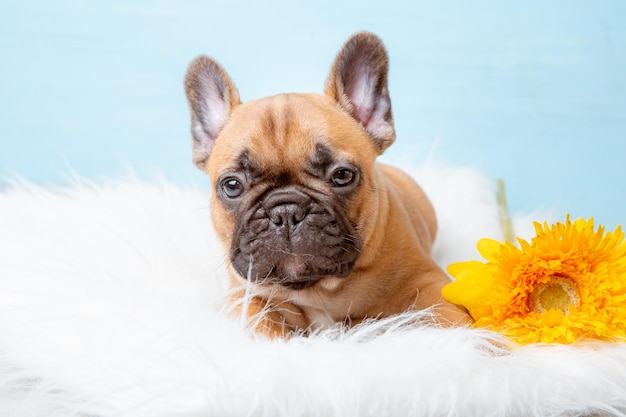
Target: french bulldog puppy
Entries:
(314, 230)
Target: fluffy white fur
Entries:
(110, 300)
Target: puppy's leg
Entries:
(447, 314)
(450, 315)
(259, 314)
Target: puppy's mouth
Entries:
(297, 275)
(294, 272)
(300, 285)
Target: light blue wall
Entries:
(533, 92)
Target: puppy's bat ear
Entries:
(212, 96)
(358, 83)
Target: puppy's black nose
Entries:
(287, 207)
(287, 214)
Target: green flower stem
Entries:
(505, 219)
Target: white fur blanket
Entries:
(110, 302)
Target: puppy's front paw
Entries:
(262, 317)
(450, 315)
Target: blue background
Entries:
(532, 92)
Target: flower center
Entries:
(558, 293)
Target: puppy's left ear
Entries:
(358, 83)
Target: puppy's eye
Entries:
(343, 177)
(232, 188)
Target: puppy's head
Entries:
(295, 190)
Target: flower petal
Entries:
(489, 248)
(472, 287)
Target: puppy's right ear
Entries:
(212, 96)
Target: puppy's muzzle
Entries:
(293, 238)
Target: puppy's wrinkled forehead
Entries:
(287, 133)
(284, 130)
(316, 164)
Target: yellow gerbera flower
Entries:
(568, 283)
